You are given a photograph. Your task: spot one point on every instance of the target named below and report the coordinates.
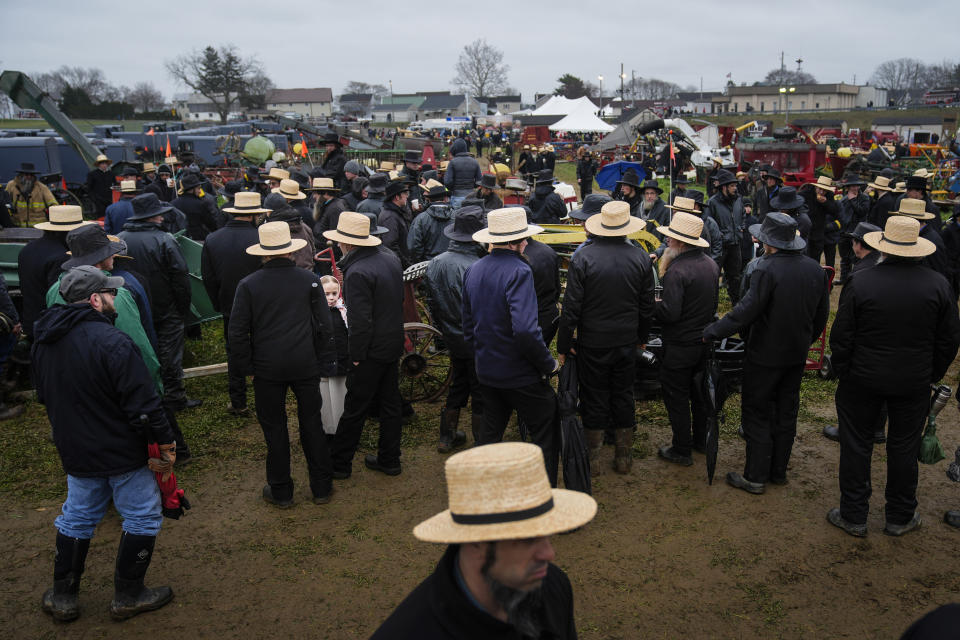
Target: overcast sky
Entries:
(416, 44)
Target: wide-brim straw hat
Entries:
(129, 186)
(276, 173)
(913, 208)
(246, 203)
(323, 184)
(614, 219)
(290, 189)
(881, 183)
(501, 492)
(149, 167)
(685, 227)
(825, 183)
(681, 203)
(102, 158)
(386, 167)
(900, 237)
(352, 228)
(900, 187)
(63, 217)
(506, 225)
(275, 240)
(171, 160)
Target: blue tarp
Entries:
(608, 175)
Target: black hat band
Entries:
(681, 233)
(247, 208)
(274, 247)
(896, 242)
(67, 222)
(508, 233)
(353, 235)
(504, 516)
(614, 227)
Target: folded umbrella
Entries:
(576, 458)
(713, 393)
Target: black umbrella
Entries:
(576, 460)
(713, 392)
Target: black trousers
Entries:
(270, 397)
(605, 378)
(536, 406)
(815, 249)
(681, 395)
(549, 322)
(732, 267)
(829, 254)
(170, 338)
(464, 385)
(859, 412)
(770, 403)
(586, 188)
(369, 382)
(236, 382)
(847, 258)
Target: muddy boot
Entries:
(8, 411)
(594, 439)
(450, 437)
(476, 426)
(130, 596)
(623, 450)
(61, 600)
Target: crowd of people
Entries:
(112, 302)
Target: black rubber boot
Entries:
(476, 426)
(594, 438)
(130, 597)
(61, 600)
(450, 437)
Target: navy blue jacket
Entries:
(500, 321)
(96, 386)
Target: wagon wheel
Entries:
(425, 366)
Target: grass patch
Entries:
(770, 608)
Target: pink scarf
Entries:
(343, 310)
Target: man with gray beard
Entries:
(496, 578)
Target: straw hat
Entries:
(276, 173)
(901, 237)
(912, 208)
(386, 167)
(681, 203)
(64, 217)
(431, 184)
(323, 184)
(128, 186)
(149, 167)
(506, 225)
(614, 219)
(900, 187)
(685, 227)
(444, 164)
(825, 183)
(352, 228)
(246, 203)
(289, 189)
(171, 160)
(275, 240)
(501, 492)
(922, 173)
(101, 158)
(881, 183)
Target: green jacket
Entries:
(128, 321)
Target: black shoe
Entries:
(670, 455)
(832, 432)
(341, 475)
(736, 480)
(8, 412)
(879, 437)
(268, 497)
(189, 403)
(130, 596)
(952, 518)
(780, 480)
(901, 529)
(837, 520)
(372, 463)
(237, 411)
(323, 499)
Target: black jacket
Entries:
(162, 191)
(445, 293)
(896, 329)
(6, 304)
(951, 243)
(824, 217)
(391, 217)
(158, 257)
(490, 202)
(438, 609)
(689, 298)
(586, 169)
(658, 215)
(425, 238)
(939, 260)
(99, 185)
(545, 264)
(853, 211)
(39, 267)
(202, 215)
(609, 296)
(333, 164)
(547, 205)
(867, 261)
(96, 386)
(280, 327)
(373, 294)
(881, 208)
(224, 262)
(728, 215)
(785, 308)
(463, 172)
(326, 216)
(340, 341)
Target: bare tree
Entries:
(650, 89)
(355, 87)
(221, 75)
(900, 74)
(944, 74)
(480, 70)
(145, 97)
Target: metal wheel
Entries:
(425, 366)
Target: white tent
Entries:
(581, 122)
(560, 106)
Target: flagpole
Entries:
(670, 172)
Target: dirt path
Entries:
(667, 556)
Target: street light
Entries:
(785, 91)
(600, 78)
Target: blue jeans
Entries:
(135, 494)
(457, 201)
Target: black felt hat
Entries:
(778, 230)
(467, 221)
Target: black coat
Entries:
(99, 184)
(333, 164)
(609, 296)
(96, 386)
(881, 208)
(545, 264)
(896, 330)
(373, 294)
(224, 262)
(391, 217)
(939, 261)
(785, 308)
(158, 257)
(6, 304)
(951, 243)
(162, 191)
(853, 211)
(823, 217)
(327, 215)
(728, 215)
(549, 160)
(280, 327)
(202, 215)
(867, 261)
(547, 205)
(438, 609)
(490, 202)
(689, 298)
(39, 267)
(586, 169)
(341, 341)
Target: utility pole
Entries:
(622, 76)
(701, 88)
(633, 88)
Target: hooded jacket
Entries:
(546, 204)
(425, 239)
(96, 387)
(463, 172)
(445, 293)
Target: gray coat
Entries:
(445, 293)
(425, 238)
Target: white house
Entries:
(193, 107)
(309, 103)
